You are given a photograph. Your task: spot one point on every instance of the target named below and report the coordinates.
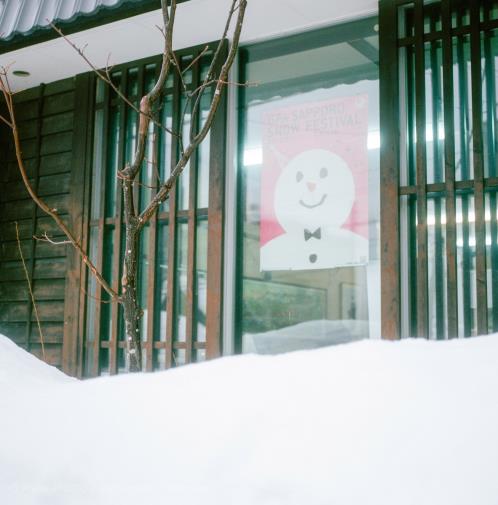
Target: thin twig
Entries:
(46, 238)
(166, 187)
(105, 77)
(96, 298)
(195, 60)
(8, 123)
(42, 340)
(147, 102)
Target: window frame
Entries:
(78, 276)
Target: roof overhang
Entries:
(198, 21)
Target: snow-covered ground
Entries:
(368, 423)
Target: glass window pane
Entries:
(310, 193)
(97, 171)
(466, 270)
(164, 158)
(201, 281)
(464, 167)
(105, 310)
(181, 282)
(133, 82)
(159, 357)
(491, 215)
(183, 180)
(436, 254)
(91, 287)
(111, 170)
(161, 282)
(203, 156)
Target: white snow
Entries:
(20, 369)
(368, 423)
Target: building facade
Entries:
(347, 191)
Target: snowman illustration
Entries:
(314, 195)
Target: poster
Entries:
(314, 185)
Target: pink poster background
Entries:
(339, 125)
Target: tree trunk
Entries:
(129, 300)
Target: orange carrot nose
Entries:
(311, 185)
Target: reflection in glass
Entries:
(91, 287)
(164, 160)
(203, 156)
(181, 282)
(98, 142)
(112, 161)
(436, 254)
(466, 270)
(106, 307)
(201, 282)
(491, 216)
(183, 181)
(310, 195)
(161, 282)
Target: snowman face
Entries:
(315, 189)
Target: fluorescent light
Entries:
(373, 140)
(253, 156)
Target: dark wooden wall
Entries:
(45, 117)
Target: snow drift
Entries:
(21, 369)
(373, 422)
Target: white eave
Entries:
(198, 21)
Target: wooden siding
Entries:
(46, 120)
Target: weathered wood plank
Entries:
(53, 354)
(15, 331)
(46, 268)
(28, 150)
(52, 332)
(56, 143)
(21, 209)
(61, 102)
(58, 123)
(27, 110)
(42, 289)
(9, 251)
(27, 129)
(47, 186)
(17, 312)
(13, 311)
(50, 268)
(54, 88)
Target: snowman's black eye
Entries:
(299, 176)
(323, 172)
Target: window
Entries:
(179, 324)
(439, 177)
(308, 192)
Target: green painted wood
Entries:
(46, 129)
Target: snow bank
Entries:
(21, 369)
(368, 423)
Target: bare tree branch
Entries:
(31, 294)
(165, 189)
(216, 80)
(8, 123)
(46, 238)
(105, 77)
(209, 75)
(150, 98)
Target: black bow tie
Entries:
(315, 234)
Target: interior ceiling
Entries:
(198, 21)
